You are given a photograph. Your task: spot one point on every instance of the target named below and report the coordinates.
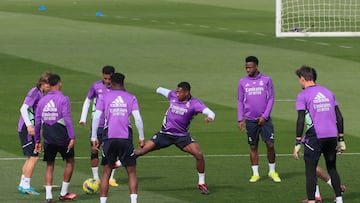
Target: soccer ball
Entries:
(91, 186)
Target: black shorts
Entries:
(163, 140)
(99, 133)
(328, 148)
(100, 137)
(118, 149)
(56, 133)
(27, 142)
(253, 131)
(312, 149)
(50, 151)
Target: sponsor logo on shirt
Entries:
(49, 112)
(321, 103)
(118, 107)
(254, 90)
(178, 110)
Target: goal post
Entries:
(317, 18)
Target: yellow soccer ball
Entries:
(91, 186)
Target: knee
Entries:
(198, 155)
(139, 152)
(270, 146)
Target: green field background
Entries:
(160, 43)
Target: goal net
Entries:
(317, 18)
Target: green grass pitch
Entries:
(160, 43)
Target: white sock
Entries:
(133, 198)
(329, 182)
(339, 199)
(26, 182)
(201, 178)
(22, 180)
(112, 174)
(271, 167)
(103, 199)
(64, 188)
(317, 191)
(95, 171)
(48, 189)
(255, 169)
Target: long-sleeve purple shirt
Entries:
(96, 89)
(117, 106)
(54, 108)
(320, 102)
(179, 115)
(32, 98)
(255, 97)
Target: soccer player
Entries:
(53, 121)
(320, 173)
(255, 103)
(175, 127)
(96, 89)
(26, 132)
(327, 136)
(117, 105)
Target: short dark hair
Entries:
(54, 79)
(184, 85)
(117, 79)
(108, 70)
(252, 59)
(307, 72)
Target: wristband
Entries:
(297, 142)
(341, 139)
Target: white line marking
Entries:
(345, 47)
(259, 33)
(285, 100)
(204, 26)
(322, 43)
(120, 17)
(242, 31)
(300, 40)
(183, 156)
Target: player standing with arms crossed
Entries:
(255, 103)
(96, 89)
(117, 105)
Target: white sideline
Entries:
(181, 156)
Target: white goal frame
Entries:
(295, 27)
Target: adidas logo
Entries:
(118, 102)
(50, 107)
(320, 98)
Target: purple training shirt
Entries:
(54, 108)
(32, 98)
(179, 115)
(255, 97)
(117, 106)
(320, 102)
(96, 89)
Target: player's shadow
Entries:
(291, 175)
